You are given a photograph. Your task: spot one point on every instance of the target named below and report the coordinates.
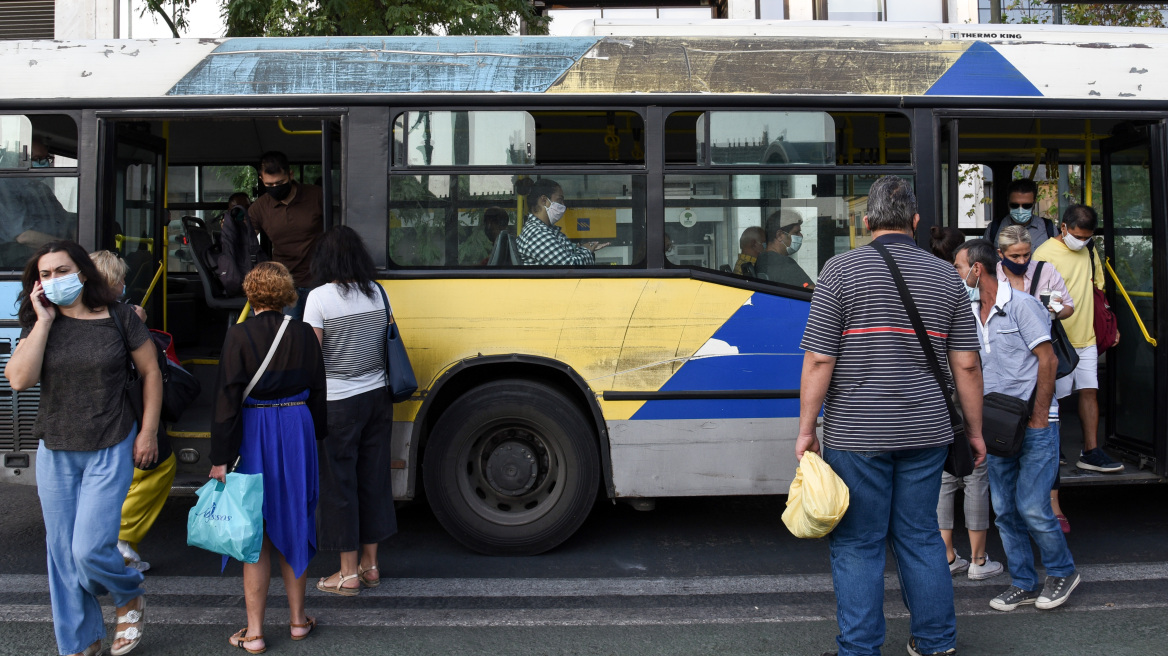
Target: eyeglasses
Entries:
(1024, 206)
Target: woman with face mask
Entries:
(90, 438)
(1019, 271)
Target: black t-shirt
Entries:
(781, 268)
(83, 404)
(297, 365)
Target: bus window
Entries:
(38, 184)
(766, 138)
(464, 138)
(714, 222)
(459, 220)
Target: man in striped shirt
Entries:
(886, 426)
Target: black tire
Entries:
(511, 468)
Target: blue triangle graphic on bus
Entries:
(982, 71)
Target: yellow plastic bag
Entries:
(817, 501)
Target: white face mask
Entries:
(555, 211)
(1073, 243)
(796, 242)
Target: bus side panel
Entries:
(17, 409)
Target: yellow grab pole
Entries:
(244, 312)
(1130, 304)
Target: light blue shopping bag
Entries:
(228, 518)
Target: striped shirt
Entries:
(882, 396)
(354, 339)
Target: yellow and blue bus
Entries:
(655, 371)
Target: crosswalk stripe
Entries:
(578, 587)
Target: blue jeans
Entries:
(81, 499)
(893, 500)
(1020, 491)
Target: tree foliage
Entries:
(379, 17)
(172, 12)
(1113, 15)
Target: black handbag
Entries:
(179, 387)
(959, 460)
(134, 389)
(399, 371)
(1003, 422)
(1068, 357)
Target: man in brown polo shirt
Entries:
(291, 215)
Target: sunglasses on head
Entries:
(1024, 206)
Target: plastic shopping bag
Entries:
(817, 501)
(228, 518)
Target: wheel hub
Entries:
(512, 468)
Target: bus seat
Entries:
(505, 253)
(748, 270)
(201, 246)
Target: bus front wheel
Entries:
(511, 468)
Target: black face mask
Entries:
(280, 191)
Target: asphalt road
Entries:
(694, 576)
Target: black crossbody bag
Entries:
(1068, 358)
(959, 461)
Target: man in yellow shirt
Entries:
(752, 243)
(1070, 253)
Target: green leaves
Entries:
(378, 17)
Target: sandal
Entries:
(135, 618)
(367, 582)
(238, 638)
(339, 588)
(93, 650)
(310, 625)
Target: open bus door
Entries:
(1135, 225)
(132, 209)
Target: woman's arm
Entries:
(146, 362)
(24, 366)
(234, 374)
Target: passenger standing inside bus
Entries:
(541, 242)
(752, 243)
(886, 427)
(350, 314)
(784, 231)
(1070, 253)
(1019, 270)
(273, 432)
(1018, 361)
(291, 214)
(90, 439)
(1022, 198)
(150, 487)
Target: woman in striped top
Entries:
(350, 314)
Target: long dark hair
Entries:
(341, 257)
(96, 293)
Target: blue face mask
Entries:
(41, 164)
(63, 290)
(973, 292)
(1020, 215)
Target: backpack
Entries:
(996, 227)
(238, 251)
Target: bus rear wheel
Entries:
(511, 468)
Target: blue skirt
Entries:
(280, 443)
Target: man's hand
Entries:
(1038, 421)
(804, 443)
(595, 246)
(1116, 339)
(219, 473)
(977, 445)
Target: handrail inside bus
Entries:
(285, 130)
(244, 312)
(154, 282)
(1132, 306)
(127, 239)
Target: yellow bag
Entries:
(817, 501)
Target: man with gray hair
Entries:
(886, 426)
(1018, 361)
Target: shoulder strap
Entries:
(1091, 254)
(915, 317)
(384, 298)
(1034, 280)
(1049, 227)
(995, 228)
(268, 358)
(122, 333)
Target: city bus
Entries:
(663, 367)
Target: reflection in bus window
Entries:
(716, 221)
(480, 220)
(35, 210)
(768, 138)
(464, 138)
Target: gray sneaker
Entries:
(1012, 598)
(913, 650)
(958, 565)
(988, 569)
(1057, 590)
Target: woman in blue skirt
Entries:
(273, 432)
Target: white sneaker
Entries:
(131, 557)
(958, 565)
(989, 569)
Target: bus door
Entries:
(132, 209)
(1133, 212)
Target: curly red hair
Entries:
(270, 286)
